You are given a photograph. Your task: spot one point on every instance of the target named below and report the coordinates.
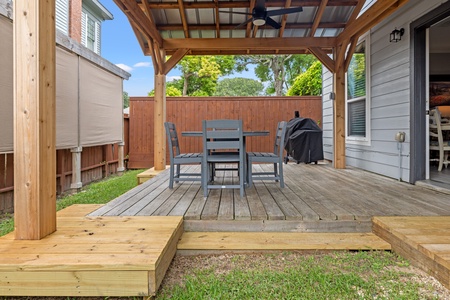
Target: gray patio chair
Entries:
(177, 158)
(268, 157)
(222, 136)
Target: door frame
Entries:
(418, 84)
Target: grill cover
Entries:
(303, 141)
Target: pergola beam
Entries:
(237, 44)
(135, 13)
(245, 3)
(174, 59)
(318, 17)
(372, 16)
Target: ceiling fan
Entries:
(260, 14)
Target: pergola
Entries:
(329, 29)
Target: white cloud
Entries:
(125, 67)
(172, 78)
(142, 65)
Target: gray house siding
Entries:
(389, 98)
(327, 114)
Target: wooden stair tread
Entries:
(280, 241)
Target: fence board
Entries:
(96, 162)
(257, 113)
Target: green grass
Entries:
(336, 275)
(95, 193)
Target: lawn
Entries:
(95, 193)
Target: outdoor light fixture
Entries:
(396, 35)
(259, 21)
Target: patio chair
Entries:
(439, 138)
(177, 158)
(225, 136)
(275, 157)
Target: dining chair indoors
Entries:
(177, 158)
(275, 157)
(226, 137)
(439, 141)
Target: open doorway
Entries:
(438, 97)
(424, 48)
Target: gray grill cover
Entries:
(303, 141)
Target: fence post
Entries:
(120, 167)
(76, 167)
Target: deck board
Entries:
(91, 256)
(316, 198)
(424, 240)
(257, 241)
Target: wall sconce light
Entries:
(396, 35)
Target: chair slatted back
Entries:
(278, 148)
(436, 126)
(172, 137)
(222, 134)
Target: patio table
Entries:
(245, 133)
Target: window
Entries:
(90, 31)
(90, 34)
(357, 95)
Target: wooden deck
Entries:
(133, 238)
(114, 256)
(317, 198)
(425, 241)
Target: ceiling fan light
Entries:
(259, 21)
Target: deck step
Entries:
(255, 241)
(91, 256)
(425, 241)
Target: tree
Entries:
(308, 83)
(126, 99)
(278, 70)
(239, 87)
(269, 68)
(200, 73)
(296, 65)
(171, 91)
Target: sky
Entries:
(120, 46)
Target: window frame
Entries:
(358, 140)
(97, 28)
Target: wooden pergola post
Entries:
(159, 119)
(339, 118)
(34, 119)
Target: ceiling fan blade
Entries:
(273, 23)
(260, 5)
(244, 23)
(284, 11)
(235, 12)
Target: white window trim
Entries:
(96, 33)
(355, 140)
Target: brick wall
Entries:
(75, 19)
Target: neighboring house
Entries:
(387, 91)
(89, 108)
(82, 21)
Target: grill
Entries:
(303, 141)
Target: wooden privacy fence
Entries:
(97, 162)
(257, 113)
